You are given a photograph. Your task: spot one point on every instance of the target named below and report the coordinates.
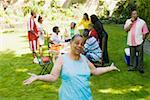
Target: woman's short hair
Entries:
(75, 36)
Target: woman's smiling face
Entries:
(77, 45)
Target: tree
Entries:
(143, 9)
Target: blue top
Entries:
(92, 50)
(75, 76)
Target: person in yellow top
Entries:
(85, 21)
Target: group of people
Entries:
(95, 37)
(75, 71)
(76, 66)
(35, 33)
(87, 49)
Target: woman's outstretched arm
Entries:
(101, 70)
(53, 76)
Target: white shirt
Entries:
(30, 24)
(135, 34)
(40, 33)
(56, 38)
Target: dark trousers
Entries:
(139, 57)
(103, 41)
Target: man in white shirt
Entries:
(56, 38)
(137, 33)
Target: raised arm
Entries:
(53, 76)
(101, 70)
(79, 24)
(128, 25)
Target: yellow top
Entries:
(85, 23)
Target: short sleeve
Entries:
(127, 23)
(145, 29)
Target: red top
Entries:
(35, 30)
(94, 34)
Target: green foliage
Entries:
(69, 3)
(36, 6)
(104, 12)
(2, 12)
(123, 10)
(26, 1)
(26, 10)
(144, 9)
(53, 3)
(78, 1)
(41, 3)
(101, 2)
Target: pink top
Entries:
(138, 29)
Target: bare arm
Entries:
(128, 28)
(79, 24)
(128, 25)
(145, 31)
(101, 70)
(145, 36)
(49, 77)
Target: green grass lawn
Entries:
(121, 85)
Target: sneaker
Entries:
(141, 71)
(132, 69)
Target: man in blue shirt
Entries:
(91, 48)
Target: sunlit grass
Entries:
(50, 87)
(121, 91)
(121, 85)
(21, 70)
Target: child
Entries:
(56, 38)
(72, 31)
(40, 34)
(93, 31)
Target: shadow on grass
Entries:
(13, 70)
(129, 93)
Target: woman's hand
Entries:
(114, 67)
(31, 79)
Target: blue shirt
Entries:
(92, 49)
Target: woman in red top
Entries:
(93, 31)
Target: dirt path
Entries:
(14, 42)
